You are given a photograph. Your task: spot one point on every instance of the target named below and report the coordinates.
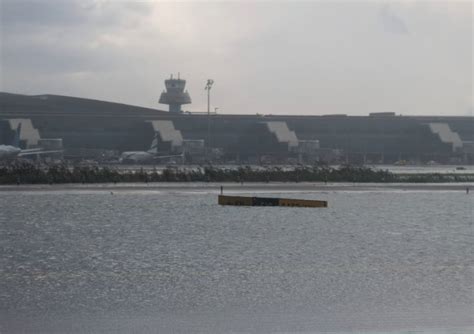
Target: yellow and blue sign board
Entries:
(269, 201)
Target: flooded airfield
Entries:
(170, 260)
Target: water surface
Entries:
(174, 261)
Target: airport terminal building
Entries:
(92, 129)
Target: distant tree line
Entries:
(28, 173)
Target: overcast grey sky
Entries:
(313, 57)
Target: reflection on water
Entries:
(177, 262)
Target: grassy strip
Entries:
(26, 173)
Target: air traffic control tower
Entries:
(175, 96)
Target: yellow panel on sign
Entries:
(235, 200)
(303, 203)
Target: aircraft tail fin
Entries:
(154, 144)
(16, 139)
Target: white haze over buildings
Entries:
(408, 57)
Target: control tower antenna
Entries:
(175, 95)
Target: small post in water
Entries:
(222, 190)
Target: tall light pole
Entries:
(208, 141)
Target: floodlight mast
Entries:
(208, 87)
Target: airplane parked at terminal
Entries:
(144, 157)
(10, 152)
